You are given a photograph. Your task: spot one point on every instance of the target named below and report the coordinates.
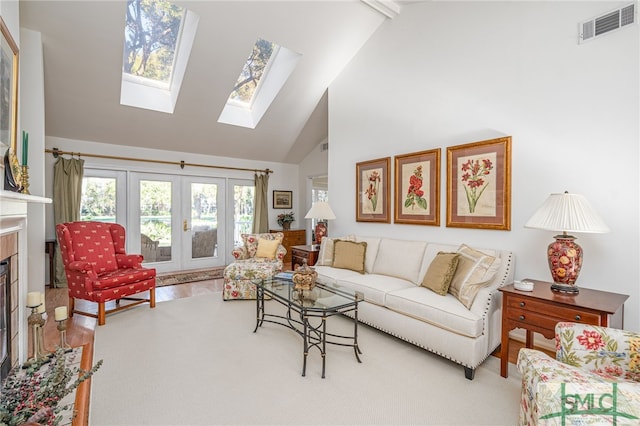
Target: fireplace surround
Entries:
(13, 248)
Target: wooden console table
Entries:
(541, 309)
(301, 253)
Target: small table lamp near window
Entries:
(567, 213)
(322, 212)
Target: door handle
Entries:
(185, 227)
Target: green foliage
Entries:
(98, 199)
(151, 35)
(32, 394)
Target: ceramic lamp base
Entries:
(565, 262)
(320, 231)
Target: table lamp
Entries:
(322, 212)
(567, 213)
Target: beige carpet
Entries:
(196, 361)
(183, 277)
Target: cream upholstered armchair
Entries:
(259, 257)
(594, 380)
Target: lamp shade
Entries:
(320, 210)
(567, 213)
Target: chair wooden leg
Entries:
(72, 305)
(101, 313)
(152, 297)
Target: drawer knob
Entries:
(522, 304)
(521, 317)
(578, 317)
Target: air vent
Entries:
(324, 147)
(606, 23)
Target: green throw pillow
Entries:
(440, 272)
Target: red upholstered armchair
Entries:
(99, 270)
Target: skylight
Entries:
(158, 40)
(263, 75)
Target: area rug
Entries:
(174, 278)
(197, 361)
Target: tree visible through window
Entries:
(252, 72)
(151, 36)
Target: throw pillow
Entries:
(440, 272)
(267, 248)
(325, 255)
(475, 270)
(349, 255)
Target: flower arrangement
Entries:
(473, 173)
(32, 395)
(285, 218)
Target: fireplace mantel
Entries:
(14, 220)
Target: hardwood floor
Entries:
(81, 329)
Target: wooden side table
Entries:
(301, 253)
(541, 309)
(50, 249)
(292, 237)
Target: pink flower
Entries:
(591, 340)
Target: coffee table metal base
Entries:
(311, 325)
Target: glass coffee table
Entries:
(307, 312)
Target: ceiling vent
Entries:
(608, 22)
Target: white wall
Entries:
(315, 164)
(284, 176)
(32, 121)
(448, 73)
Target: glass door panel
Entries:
(241, 198)
(204, 239)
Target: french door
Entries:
(180, 220)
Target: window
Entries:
(157, 44)
(103, 196)
(263, 75)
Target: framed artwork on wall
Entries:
(8, 97)
(479, 185)
(372, 191)
(417, 188)
(282, 199)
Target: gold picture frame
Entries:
(479, 185)
(8, 89)
(373, 191)
(417, 188)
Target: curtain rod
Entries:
(57, 152)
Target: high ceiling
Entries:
(83, 44)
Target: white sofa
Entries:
(396, 303)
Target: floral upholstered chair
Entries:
(594, 380)
(259, 257)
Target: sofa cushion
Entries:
(267, 248)
(374, 287)
(475, 270)
(372, 251)
(325, 255)
(444, 312)
(349, 255)
(330, 276)
(440, 272)
(399, 258)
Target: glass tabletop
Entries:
(321, 297)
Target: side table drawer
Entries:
(548, 313)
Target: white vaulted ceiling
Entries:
(83, 45)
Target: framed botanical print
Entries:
(479, 185)
(417, 188)
(372, 191)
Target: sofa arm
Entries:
(605, 351)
